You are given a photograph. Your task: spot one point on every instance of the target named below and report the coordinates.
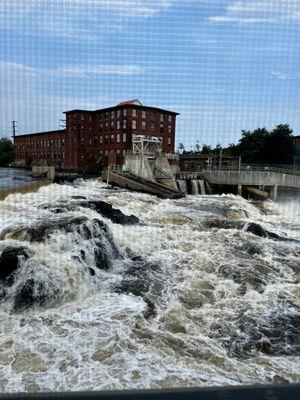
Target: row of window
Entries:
(111, 126)
(45, 156)
(105, 153)
(40, 143)
(124, 113)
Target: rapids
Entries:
(184, 297)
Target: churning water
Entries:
(195, 294)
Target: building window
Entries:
(169, 141)
(112, 138)
(106, 114)
(161, 117)
(101, 126)
(169, 129)
(124, 124)
(152, 128)
(124, 138)
(112, 114)
(118, 125)
(82, 156)
(152, 116)
(118, 152)
(112, 125)
(101, 139)
(169, 118)
(124, 112)
(118, 113)
(134, 112)
(118, 138)
(82, 139)
(106, 139)
(143, 125)
(74, 115)
(90, 117)
(124, 152)
(90, 128)
(143, 114)
(106, 126)
(161, 128)
(82, 117)
(134, 124)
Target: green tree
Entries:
(6, 152)
(280, 146)
(253, 146)
(206, 149)
(181, 148)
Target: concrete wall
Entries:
(163, 172)
(255, 178)
(38, 171)
(139, 165)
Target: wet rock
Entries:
(143, 279)
(275, 334)
(106, 209)
(256, 229)
(221, 223)
(39, 232)
(9, 261)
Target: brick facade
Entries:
(101, 135)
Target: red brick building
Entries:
(97, 136)
(42, 148)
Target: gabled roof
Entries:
(135, 102)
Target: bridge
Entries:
(262, 177)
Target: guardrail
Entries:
(259, 392)
(254, 167)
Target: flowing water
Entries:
(13, 177)
(187, 297)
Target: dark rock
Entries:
(108, 211)
(78, 197)
(256, 229)
(36, 293)
(102, 260)
(39, 232)
(9, 260)
(274, 334)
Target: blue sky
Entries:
(225, 65)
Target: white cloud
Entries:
(83, 71)
(86, 20)
(284, 77)
(259, 11)
(16, 70)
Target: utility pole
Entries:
(14, 128)
(220, 159)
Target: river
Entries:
(186, 297)
(14, 177)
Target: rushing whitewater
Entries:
(202, 291)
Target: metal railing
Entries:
(283, 169)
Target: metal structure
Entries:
(148, 146)
(259, 392)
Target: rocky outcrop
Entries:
(9, 261)
(103, 208)
(107, 211)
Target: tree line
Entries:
(6, 152)
(259, 146)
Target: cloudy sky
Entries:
(225, 65)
